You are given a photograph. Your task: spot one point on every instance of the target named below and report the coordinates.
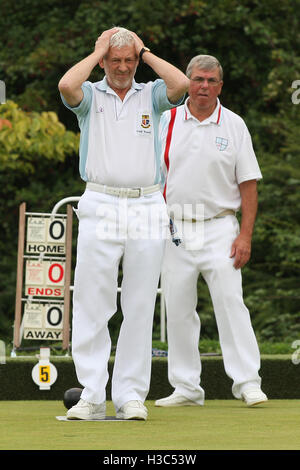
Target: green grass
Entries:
(218, 425)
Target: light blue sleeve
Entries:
(82, 112)
(160, 101)
(84, 106)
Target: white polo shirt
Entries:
(204, 162)
(119, 139)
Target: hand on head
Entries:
(102, 43)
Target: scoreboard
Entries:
(43, 321)
(43, 277)
(45, 235)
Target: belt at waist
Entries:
(122, 192)
(221, 214)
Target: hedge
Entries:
(280, 378)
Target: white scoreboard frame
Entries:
(66, 259)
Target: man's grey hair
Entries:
(121, 38)
(204, 62)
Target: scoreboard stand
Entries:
(42, 306)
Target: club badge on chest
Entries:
(144, 123)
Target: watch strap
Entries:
(144, 49)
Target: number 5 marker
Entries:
(44, 374)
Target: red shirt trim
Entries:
(168, 143)
(219, 115)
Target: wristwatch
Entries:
(144, 49)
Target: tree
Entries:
(37, 165)
(257, 43)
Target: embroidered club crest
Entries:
(145, 121)
(221, 143)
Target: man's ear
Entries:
(220, 88)
(101, 63)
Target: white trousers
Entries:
(181, 269)
(103, 240)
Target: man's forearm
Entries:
(241, 247)
(79, 73)
(248, 191)
(176, 81)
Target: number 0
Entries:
(49, 316)
(52, 230)
(60, 272)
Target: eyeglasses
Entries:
(202, 80)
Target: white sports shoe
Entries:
(254, 396)
(86, 410)
(175, 400)
(133, 409)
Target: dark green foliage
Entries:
(258, 44)
(281, 379)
